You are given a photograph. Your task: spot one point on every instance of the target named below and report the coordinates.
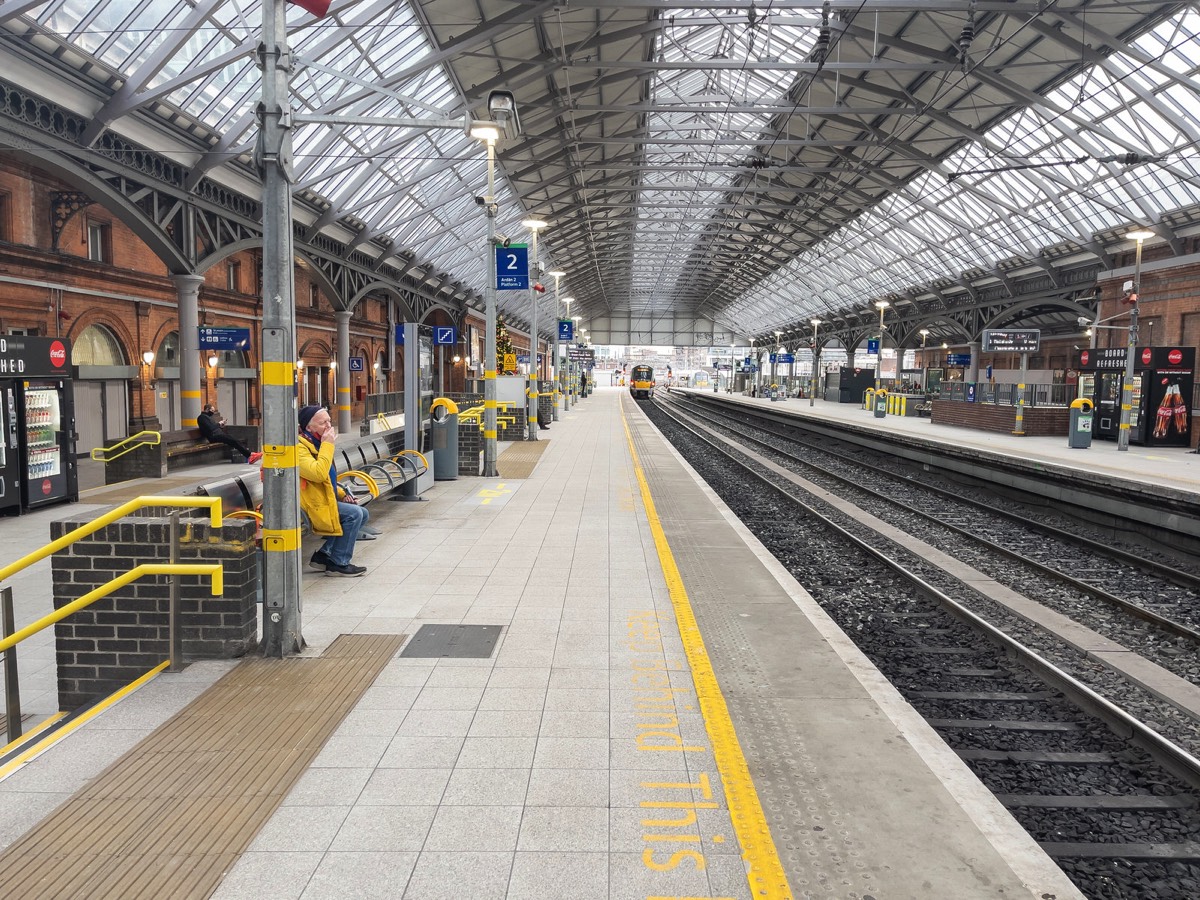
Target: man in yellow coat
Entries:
(331, 511)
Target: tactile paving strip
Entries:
(819, 853)
(170, 817)
(519, 459)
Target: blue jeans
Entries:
(353, 518)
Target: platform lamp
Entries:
(1132, 294)
(812, 393)
(535, 287)
(924, 332)
(503, 110)
(554, 373)
(880, 305)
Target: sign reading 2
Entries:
(512, 268)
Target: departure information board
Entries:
(1014, 340)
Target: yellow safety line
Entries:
(768, 881)
(50, 740)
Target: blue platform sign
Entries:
(958, 359)
(872, 345)
(357, 364)
(224, 338)
(512, 268)
(400, 334)
(782, 358)
(566, 330)
(444, 335)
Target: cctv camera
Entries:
(1084, 320)
(480, 201)
(1127, 287)
(501, 241)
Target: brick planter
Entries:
(1040, 421)
(120, 637)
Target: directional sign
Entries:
(782, 358)
(357, 364)
(224, 338)
(958, 359)
(566, 330)
(512, 268)
(399, 334)
(445, 336)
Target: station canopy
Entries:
(757, 163)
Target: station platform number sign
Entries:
(512, 268)
(566, 330)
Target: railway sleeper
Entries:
(1058, 758)
(1183, 851)
(1003, 725)
(1124, 803)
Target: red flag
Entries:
(317, 7)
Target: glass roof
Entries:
(1044, 176)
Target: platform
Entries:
(666, 713)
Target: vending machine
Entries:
(1160, 395)
(37, 422)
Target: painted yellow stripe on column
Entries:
(279, 540)
(279, 373)
(190, 395)
(343, 390)
(188, 423)
(765, 873)
(489, 373)
(490, 404)
(489, 435)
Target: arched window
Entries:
(167, 355)
(97, 346)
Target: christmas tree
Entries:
(504, 348)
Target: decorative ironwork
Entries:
(64, 205)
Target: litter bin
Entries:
(1080, 435)
(443, 439)
(881, 403)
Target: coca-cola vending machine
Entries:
(37, 422)
(1160, 399)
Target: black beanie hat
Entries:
(306, 415)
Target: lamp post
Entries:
(812, 391)
(880, 305)
(924, 363)
(1132, 291)
(554, 373)
(531, 391)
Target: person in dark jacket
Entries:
(212, 426)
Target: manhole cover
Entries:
(453, 641)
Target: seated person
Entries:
(331, 511)
(212, 426)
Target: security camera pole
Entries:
(1131, 297)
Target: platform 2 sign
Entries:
(512, 268)
(1012, 340)
(566, 330)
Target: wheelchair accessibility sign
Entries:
(358, 364)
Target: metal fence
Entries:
(1007, 394)
(388, 404)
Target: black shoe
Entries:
(320, 561)
(349, 570)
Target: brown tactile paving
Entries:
(170, 817)
(519, 459)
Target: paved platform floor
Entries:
(592, 755)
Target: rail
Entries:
(10, 636)
(142, 439)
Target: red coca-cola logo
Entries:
(58, 354)
(46, 486)
(1083, 358)
(1175, 357)
(1147, 355)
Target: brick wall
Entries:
(1040, 421)
(120, 637)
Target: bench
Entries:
(924, 409)
(189, 447)
(368, 468)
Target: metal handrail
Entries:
(9, 637)
(213, 504)
(100, 454)
(216, 570)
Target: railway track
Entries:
(1108, 794)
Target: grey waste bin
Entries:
(443, 439)
(1079, 437)
(880, 404)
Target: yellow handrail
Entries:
(216, 570)
(214, 511)
(415, 453)
(143, 438)
(370, 483)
